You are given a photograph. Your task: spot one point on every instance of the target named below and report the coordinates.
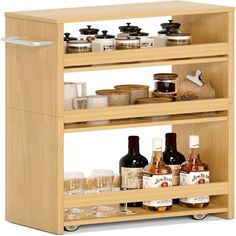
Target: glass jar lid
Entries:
(171, 27)
(179, 36)
(89, 30)
(128, 28)
(68, 38)
(104, 35)
(139, 33)
(79, 43)
(165, 76)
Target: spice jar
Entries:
(178, 39)
(167, 28)
(135, 91)
(165, 85)
(127, 43)
(126, 30)
(103, 42)
(79, 46)
(115, 97)
(88, 33)
(67, 38)
(145, 41)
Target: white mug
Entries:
(71, 92)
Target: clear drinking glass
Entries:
(74, 184)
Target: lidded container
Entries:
(67, 38)
(166, 85)
(167, 28)
(103, 42)
(88, 33)
(178, 39)
(145, 40)
(127, 43)
(115, 97)
(126, 30)
(79, 46)
(135, 91)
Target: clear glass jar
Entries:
(79, 46)
(127, 43)
(145, 40)
(88, 33)
(179, 39)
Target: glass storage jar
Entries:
(126, 30)
(165, 85)
(67, 38)
(79, 46)
(145, 40)
(103, 42)
(178, 39)
(127, 43)
(88, 33)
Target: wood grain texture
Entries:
(34, 170)
(124, 11)
(34, 76)
(130, 111)
(146, 54)
(144, 215)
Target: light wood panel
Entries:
(145, 122)
(34, 170)
(34, 75)
(220, 188)
(146, 54)
(130, 111)
(124, 11)
(143, 215)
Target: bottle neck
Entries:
(170, 148)
(133, 147)
(193, 153)
(170, 142)
(157, 156)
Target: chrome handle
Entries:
(18, 41)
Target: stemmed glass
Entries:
(74, 184)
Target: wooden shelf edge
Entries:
(142, 122)
(144, 215)
(147, 110)
(218, 188)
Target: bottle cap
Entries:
(194, 141)
(156, 144)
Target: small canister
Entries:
(67, 38)
(88, 33)
(145, 41)
(165, 85)
(103, 42)
(135, 90)
(79, 46)
(126, 30)
(167, 28)
(179, 39)
(115, 97)
(127, 43)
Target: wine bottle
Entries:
(131, 168)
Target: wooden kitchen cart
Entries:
(36, 121)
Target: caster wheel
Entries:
(199, 216)
(71, 228)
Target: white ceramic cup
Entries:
(71, 92)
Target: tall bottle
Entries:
(131, 168)
(172, 157)
(194, 171)
(156, 175)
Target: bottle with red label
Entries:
(194, 171)
(157, 175)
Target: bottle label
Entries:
(131, 178)
(157, 181)
(190, 178)
(175, 174)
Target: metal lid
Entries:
(179, 36)
(165, 76)
(104, 35)
(89, 30)
(128, 28)
(68, 38)
(139, 33)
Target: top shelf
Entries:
(124, 11)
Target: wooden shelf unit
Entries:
(36, 121)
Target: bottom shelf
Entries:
(144, 214)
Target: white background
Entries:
(103, 149)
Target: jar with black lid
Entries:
(103, 42)
(126, 30)
(88, 33)
(166, 85)
(67, 38)
(145, 40)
